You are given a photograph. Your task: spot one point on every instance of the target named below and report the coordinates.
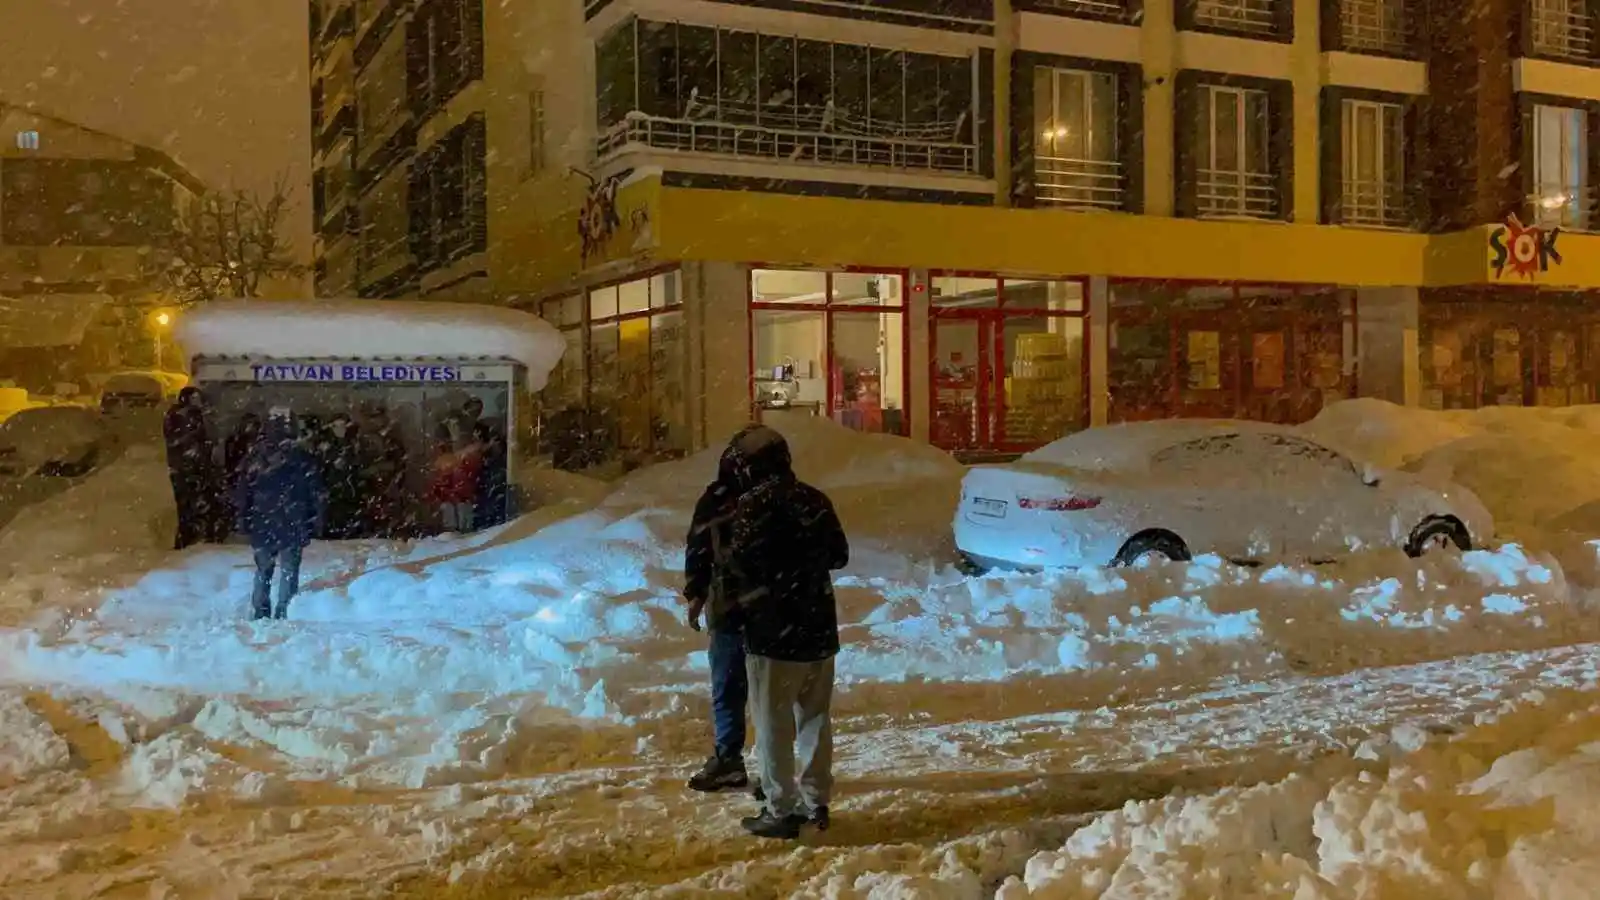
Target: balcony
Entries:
(1078, 183)
(1558, 206)
(1562, 29)
(912, 149)
(1112, 10)
(1374, 204)
(1236, 195)
(1375, 26)
(1242, 16)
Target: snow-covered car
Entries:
(1245, 491)
(138, 390)
(54, 441)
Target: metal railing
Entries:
(1375, 25)
(1078, 183)
(1562, 29)
(1253, 16)
(1100, 8)
(786, 145)
(1251, 195)
(1563, 206)
(1375, 204)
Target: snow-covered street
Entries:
(514, 714)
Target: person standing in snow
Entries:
(708, 588)
(453, 485)
(786, 543)
(235, 450)
(342, 477)
(493, 494)
(191, 467)
(383, 466)
(281, 506)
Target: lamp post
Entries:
(162, 321)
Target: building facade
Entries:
(79, 212)
(983, 223)
(399, 148)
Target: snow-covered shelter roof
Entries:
(371, 329)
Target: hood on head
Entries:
(760, 453)
(279, 430)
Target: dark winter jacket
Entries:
(494, 494)
(238, 446)
(187, 437)
(706, 574)
(280, 497)
(787, 540)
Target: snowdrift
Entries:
(372, 329)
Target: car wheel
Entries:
(966, 566)
(1438, 533)
(1157, 543)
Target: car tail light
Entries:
(1074, 503)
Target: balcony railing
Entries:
(1222, 194)
(1377, 26)
(1558, 206)
(1562, 29)
(1374, 204)
(1100, 9)
(788, 145)
(1078, 183)
(1253, 16)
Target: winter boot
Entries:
(819, 818)
(770, 825)
(720, 773)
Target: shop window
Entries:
(603, 303)
(1052, 296)
(788, 286)
(791, 350)
(1044, 379)
(965, 293)
(664, 290)
(869, 371)
(636, 365)
(855, 289)
(669, 409)
(604, 370)
(633, 297)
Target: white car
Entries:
(52, 441)
(1243, 490)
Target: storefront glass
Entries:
(1271, 353)
(635, 365)
(831, 343)
(1507, 349)
(565, 387)
(1009, 371)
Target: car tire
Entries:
(1155, 542)
(966, 566)
(1438, 532)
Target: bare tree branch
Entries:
(226, 244)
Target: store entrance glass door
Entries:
(1006, 381)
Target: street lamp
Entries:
(162, 321)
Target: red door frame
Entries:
(989, 432)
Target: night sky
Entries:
(219, 84)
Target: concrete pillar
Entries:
(1305, 56)
(1387, 345)
(1099, 349)
(918, 364)
(1158, 38)
(1005, 31)
(720, 346)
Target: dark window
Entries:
(614, 75)
(850, 82)
(697, 71)
(776, 82)
(737, 64)
(886, 86)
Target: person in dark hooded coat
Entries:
(786, 543)
(281, 505)
(191, 467)
(708, 587)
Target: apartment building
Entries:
(983, 223)
(78, 209)
(398, 184)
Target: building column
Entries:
(1099, 349)
(919, 333)
(717, 299)
(1386, 344)
(1158, 38)
(1305, 56)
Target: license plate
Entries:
(994, 509)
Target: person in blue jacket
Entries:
(281, 504)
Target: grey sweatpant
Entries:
(790, 702)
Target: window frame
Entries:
(1194, 108)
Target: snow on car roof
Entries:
(371, 329)
(1133, 443)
